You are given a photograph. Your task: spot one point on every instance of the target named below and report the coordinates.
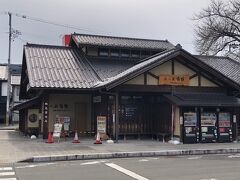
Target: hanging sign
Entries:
(101, 124)
(178, 80)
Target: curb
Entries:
(70, 157)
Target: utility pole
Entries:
(8, 70)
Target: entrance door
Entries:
(190, 127)
(209, 127)
(81, 117)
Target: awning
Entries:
(210, 99)
(27, 103)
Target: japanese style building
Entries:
(129, 87)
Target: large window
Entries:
(114, 53)
(125, 53)
(135, 54)
(103, 52)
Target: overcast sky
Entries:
(152, 19)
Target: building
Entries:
(14, 92)
(129, 87)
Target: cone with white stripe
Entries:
(76, 140)
(98, 140)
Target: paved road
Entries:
(212, 167)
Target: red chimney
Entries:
(66, 39)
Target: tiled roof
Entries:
(121, 42)
(224, 65)
(108, 68)
(58, 67)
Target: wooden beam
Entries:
(145, 78)
(153, 75)
(117, 116)
(193, 76)
(172, 63)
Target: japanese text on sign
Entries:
(180, 80)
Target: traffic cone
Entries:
(76, 140)
(50, 138)
(98, 140)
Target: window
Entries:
(145, 54)
(103, 52)
(114, 53)
(135, 54)
(4, 89)
(125, 53)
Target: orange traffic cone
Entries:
(50, 138)
(98, 140)
(76, 140)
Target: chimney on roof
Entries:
(66, 39)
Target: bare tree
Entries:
(218, 27)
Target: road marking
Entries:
(209, 179)
(195, 157)
(7, 173)
(143, 160)
(126, 171)
(34, 165)
(8, 178)
(234, 156)
(92, 162)
(6, 169)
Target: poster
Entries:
(101, 124)
(224, 119)
(190, 119)
(57, 129)
(208, 119)
(66, 123)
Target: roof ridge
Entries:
(155, 55)
(49, 46)
(121, 37)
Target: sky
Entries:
(151, 19)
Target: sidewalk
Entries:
(15, 148)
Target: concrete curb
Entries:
(70, 157)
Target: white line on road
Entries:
(34, 165)
(126, 171)
(7, 173)
(8, 178)
(6, 168)
(143, 160)
(92, 162)
(194, 157)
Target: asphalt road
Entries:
(211, 167)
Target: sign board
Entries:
(66, 123)
(101, 124)
(177, 80)
(57, 130)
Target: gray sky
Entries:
(154, 19)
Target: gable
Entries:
(172, 67)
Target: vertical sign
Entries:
(101, 124)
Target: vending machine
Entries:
(224, 127)
(190, 128)
(208, 127)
